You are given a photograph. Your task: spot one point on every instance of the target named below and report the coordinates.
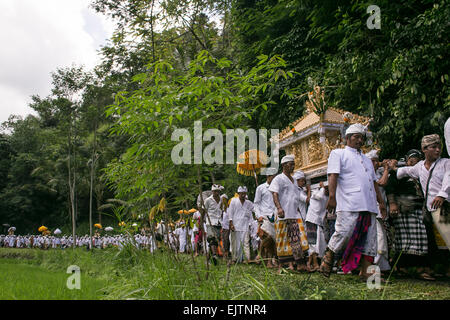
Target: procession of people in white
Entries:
(341, 221)
(55, 242)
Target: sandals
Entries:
(313, 268)
(426, 276)
(327, 264)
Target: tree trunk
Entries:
(93, 162)
(71, 191)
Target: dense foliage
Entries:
(398, 75)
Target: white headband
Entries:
(356, 128)
(242, 189)
(298, 175)
(287, 158)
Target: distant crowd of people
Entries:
(63, 242)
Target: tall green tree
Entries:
(398, 75)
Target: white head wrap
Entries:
(356, 128)
(215, 187)
(242, 189)
(299, 175)
(430, 139)
(271, 171)
(288, 158)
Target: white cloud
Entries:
(37, 37)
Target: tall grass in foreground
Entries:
(136, 274)
(160, 276)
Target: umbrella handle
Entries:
(256, 178)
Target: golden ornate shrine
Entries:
(312, 137)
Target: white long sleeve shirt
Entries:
(317, 207)
(240, 214)
(264, 206)
(302, 202)
(181, 233)
(225, 221)
(439, 182)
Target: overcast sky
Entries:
(39, 36)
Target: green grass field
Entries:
(21, 281)
(133, 274)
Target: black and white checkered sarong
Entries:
(410, 233)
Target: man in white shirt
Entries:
(290, 232)
(382, 174)
(12, 241)
(265, 211)
(353, 194)
(438, 191)
(439, 183)
(213, 217)
(264, 206)
(240, 215)
(180, 232)
(315, 220)
(305, 192)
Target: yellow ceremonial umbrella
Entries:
(42, 228)
(98, 226)
(186, 212)
(251, 163)
(236, 195)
